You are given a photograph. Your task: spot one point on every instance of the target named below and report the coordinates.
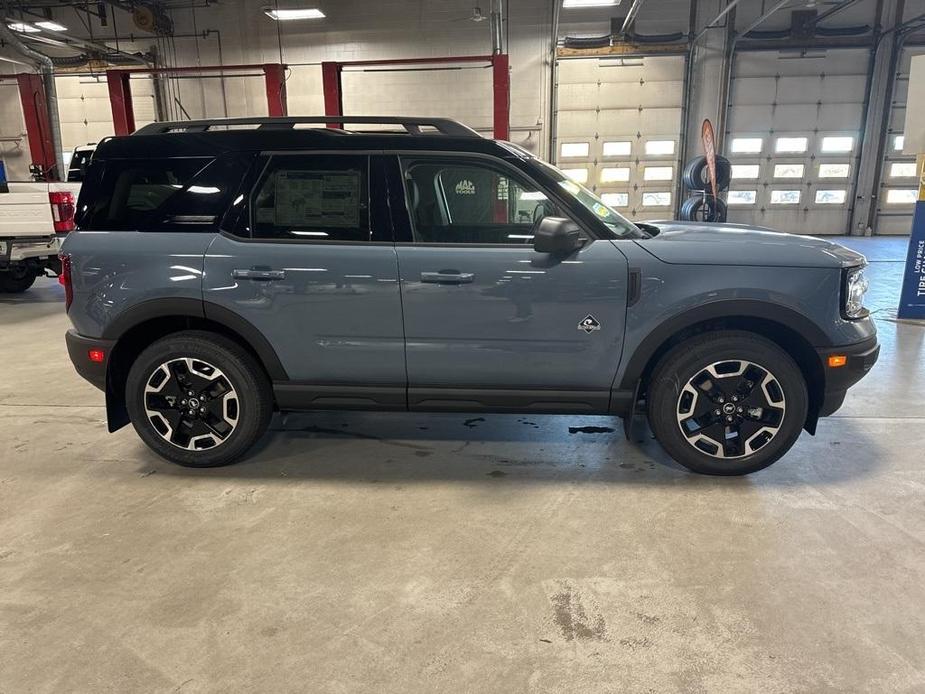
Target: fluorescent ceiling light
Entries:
(51, 26)
(286, 15)
(590, 3)
(23, 28)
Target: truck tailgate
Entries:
(25, 214)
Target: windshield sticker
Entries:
(602, 210)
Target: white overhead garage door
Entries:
(794, 139)
(86, 112)
(618, 126)
(898, 191)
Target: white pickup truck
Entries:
(33, 218)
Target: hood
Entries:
(704, 243)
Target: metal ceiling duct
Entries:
(45, 66)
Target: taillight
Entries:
(62, 209)
(64, 279)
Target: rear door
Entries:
(489, 322)
(312, 267)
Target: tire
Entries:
(17, 280)
(696, 175)
(232, 399)
(768, 417)
(703, 208)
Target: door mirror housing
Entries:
(557, 236)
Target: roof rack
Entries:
(412, 125)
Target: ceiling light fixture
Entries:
(569, 4)
(287, 15)
(50, 25)
(23, 28)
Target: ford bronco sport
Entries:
(222, 270)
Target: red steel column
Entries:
(333, 96)
(275, 76)
(501, 85)
(120, 100)
(38, 129)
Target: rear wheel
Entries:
(198, 399)
(17, 279)
(727, 403)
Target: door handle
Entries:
(447, 277)
(258, 274)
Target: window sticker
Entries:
(465, 187)
(322, 198)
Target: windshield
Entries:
(616, 222)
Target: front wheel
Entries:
(727, 403)
(198, 399)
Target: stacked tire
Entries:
(701, 205)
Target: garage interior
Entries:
(395, 552)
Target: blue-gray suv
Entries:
(222, 270)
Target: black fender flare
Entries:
(203, 310)
(726, 308)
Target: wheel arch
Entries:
(134, 330)
(792, 332)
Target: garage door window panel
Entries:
(785, 197)
(834, 170)
(788, 145)
(789, 170)
(746, 171)
(617, 148)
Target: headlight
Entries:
(856, 285)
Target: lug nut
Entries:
(735, 398)
(183, 402)
(729, 418)
(738, 409)
(716, 412)
(722, 399)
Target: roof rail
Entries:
(412, 125)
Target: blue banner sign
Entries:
(912, 298)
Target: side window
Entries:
(469, 201)
(312, 197)
(206, 197)
(128, 191)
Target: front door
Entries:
(312, 267)
(489, 322)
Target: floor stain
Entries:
(573, 618)
(497, 473)
(590, 430)
(472, 422)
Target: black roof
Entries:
(214, 137)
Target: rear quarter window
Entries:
(124, 194)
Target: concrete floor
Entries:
(395, 553)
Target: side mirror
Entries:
(557, 236)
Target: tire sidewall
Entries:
(244, 378)
(683, 362)
(16, 283)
